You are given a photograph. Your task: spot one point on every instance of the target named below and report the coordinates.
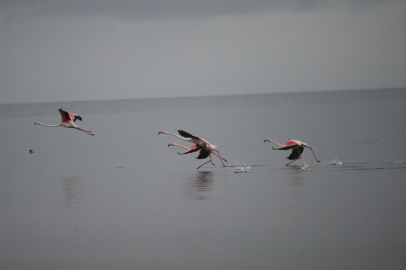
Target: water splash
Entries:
(396, 162)
(302, 167)
(242, 169)
(239, 164)
(335, 162)
(235, 164)
(305, 167)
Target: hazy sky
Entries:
(58, 50)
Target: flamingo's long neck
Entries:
(182, 138)
(269, 140)
(175, 144)
(48, 125)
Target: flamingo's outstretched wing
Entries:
(204, 153)
(192, 149)
(187, 135)
(66, 117)
(287, 146)
(295, 154)
(75, 117)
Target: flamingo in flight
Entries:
(204, 153)
(68, 120)
(297, 149)
(206, 149)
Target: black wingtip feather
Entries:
(204, 153)
(185, 134)
(295, 154)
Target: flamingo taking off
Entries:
(297, 149)
(206, 149)
(68, 120)
(204, 153)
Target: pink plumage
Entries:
(206, 149)
(67, 121)
(297, 149)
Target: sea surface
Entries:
(124, 200)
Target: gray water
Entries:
(124, 200)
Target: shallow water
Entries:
(124, 199)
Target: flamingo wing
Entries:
(75, 117)
(192, 149)
(295, 154)
(65, 116)
(288, 145)
(204, 153)
(187, 135)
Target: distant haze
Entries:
(52, 50)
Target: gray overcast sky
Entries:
(52, 50)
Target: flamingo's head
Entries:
(37, 123)
(172, 144)
(163, 132)
(268, 140)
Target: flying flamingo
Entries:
(204, 153)
(191, 149)
(206, 149)
(297, 149)
(68, 120)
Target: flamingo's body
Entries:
(203, 153)
(297, 149)
(68, 120)
(206, 149)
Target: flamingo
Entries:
(297, 149)
(206, 149)
(68, 120)
(204, 153)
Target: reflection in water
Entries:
(199, 185)
(293, 177)
(70, 186)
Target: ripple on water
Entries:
(396, 162)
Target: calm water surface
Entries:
(124, 199)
